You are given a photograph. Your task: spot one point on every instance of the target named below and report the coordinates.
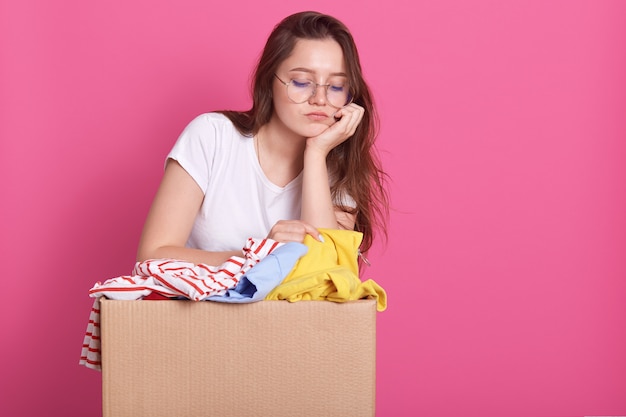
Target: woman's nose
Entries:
(318, 96)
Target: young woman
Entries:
(301, 158)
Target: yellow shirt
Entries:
(329, 271)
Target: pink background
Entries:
(503, 131)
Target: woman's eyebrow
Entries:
(310, 71)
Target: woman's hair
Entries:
(354, 167)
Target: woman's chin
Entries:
(315, 130)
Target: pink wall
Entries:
(503, 130)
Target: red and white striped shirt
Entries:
(170, 278)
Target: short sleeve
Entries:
(196, 147)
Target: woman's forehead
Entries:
(316, 56)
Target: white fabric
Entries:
(239, 200)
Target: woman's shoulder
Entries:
(214, 131)
(213, 119)
(213, 125)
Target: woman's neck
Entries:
(280, 152)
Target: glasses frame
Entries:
(288, 83)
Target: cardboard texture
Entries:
(270, 358)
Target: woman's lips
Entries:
(317, 115)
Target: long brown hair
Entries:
(354, 165)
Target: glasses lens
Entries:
(338, 95)
(299, 91)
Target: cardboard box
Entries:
(270, 358)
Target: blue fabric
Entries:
(264, 276)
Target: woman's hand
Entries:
(348, 119)
(292, 231)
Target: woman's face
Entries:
(317, 61)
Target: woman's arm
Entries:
(317, 205)
(171, 219)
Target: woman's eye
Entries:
(337, 88)
(301, 83)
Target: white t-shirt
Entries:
(239, 201)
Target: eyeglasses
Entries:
(301, 90)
